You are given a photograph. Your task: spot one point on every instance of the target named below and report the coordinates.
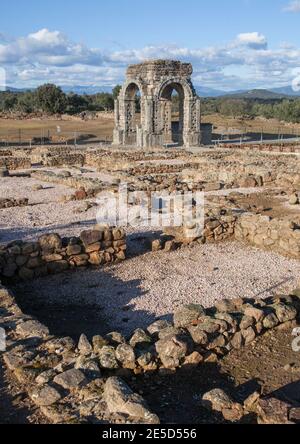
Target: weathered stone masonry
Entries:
(69, 382)
(51, 254)
(156, 81)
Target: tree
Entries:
(116, 91)
(76, 103)
(27, 102)
(51, 99)
(102, 102)
(8, 101)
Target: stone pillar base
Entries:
(118, 137)
(192, 140)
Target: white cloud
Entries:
(50, 56)
(293, 6)
(253, 40)
(47, 47)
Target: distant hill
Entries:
(89, 90)
(16, 90)
(287, 90)
(202, 91)
(81, 90)
(261, 94)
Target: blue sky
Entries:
(232, 44)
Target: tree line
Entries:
(50, 99)
(287, 110)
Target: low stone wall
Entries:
(265, 147)
(9, 203)
(73, 383)
(15, 163)
(5, 153)
(51, 254)
(63, 159)
(122, 160)
(69, 180)
(160, 169)
(216, 229)
(269, 233)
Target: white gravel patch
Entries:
(45, 213)
(22, 187)
(136, 292)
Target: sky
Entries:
(232, 44)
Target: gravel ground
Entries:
(45, 212)
(150, 286)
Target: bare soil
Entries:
(102, 127)
(176, 398)
(15, 406)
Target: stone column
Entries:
(192, 116)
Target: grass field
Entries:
(25, 130)
(230, 125)
(101, 129)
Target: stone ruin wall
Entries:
(15, 163)
(155, 80)
(69, 381)
(51, 254)
(265, 147)
(59, 374)
(269, 233)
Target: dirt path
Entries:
(15, 407)
(176, 398)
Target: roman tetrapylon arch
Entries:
(154, 82)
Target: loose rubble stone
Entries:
(91, 237)
(217, 400)
(50, 242)
(198, 335)
(71, 379)
(89, 367)
(158, 326)
(273, 411)
(285, 313)
(121, 399)
(247, 322)
(172, 350)
(98, 343)
(45, 377)
(32, 329)
(115, 338)
(188, 314)
(45, 395)
(255, 313)
(248, 335)
(270, 321)
(125, 355)
(140, 337)
(84, 346)
(237, 340)
(107, 358)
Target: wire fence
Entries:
(59, 136)
(257, 135)
(50, 136)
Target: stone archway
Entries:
(156, 80)
(129, 127)
(132, 124)
(172, 129)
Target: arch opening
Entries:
(172, 99)
(133, 112)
